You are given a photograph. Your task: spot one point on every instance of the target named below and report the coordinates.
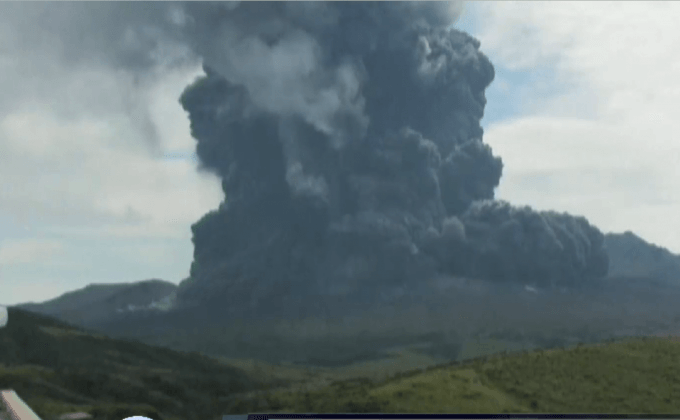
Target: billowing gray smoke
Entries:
(348, 139)
(496, 241)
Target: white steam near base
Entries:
(3, 316)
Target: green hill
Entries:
(632, 256)
(637, 376)
(57, 368)
(98, 303)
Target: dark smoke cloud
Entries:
(495, 241)
(349, 142)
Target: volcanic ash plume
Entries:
(347, 136)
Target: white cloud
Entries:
(30, 291)
(604, 143)
(598, 174)
(29, 251)
(86, 195)
(92, 167)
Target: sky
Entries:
(99, 183)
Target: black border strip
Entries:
(458, 416)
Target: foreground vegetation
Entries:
(636, 376)
(57, 368)
(369, 364)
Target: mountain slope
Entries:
(632, 256)
(57, 368)
(98, 302)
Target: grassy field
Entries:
(632, 376)
(635, 376)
